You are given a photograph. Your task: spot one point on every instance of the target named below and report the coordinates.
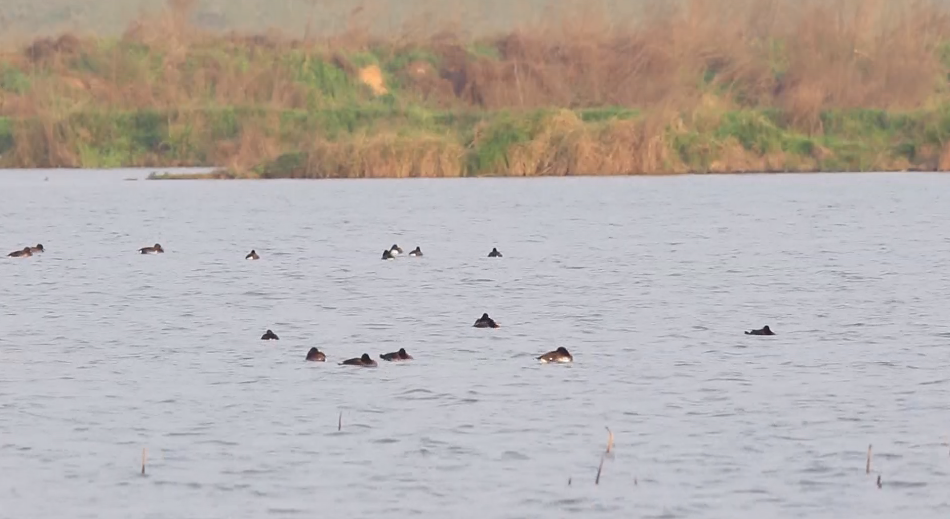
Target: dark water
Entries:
(648, 281)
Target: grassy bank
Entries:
(699, 86)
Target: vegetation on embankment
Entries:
(697, 86)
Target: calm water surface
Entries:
(648, 281)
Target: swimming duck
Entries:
(364, 361)
(395, 250)
(252, 256)
(25, 253)
(764, 331)
(396, 355)
(416, 252)
(154, 249)
(316, 355)
(560, 355)
(494, 253)
(38, 248)
(269, 336)
(485, 322)
(387, 255)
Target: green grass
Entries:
(13, 80)
(326, 83)
(400, 60)
(799, 145)
(490, 153)
(752, 129)
(483, 50)
(694, 149)
(6, 135)
(287, 165)
(114, 156)
(594, 115)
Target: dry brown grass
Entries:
(801, 55)
(383, 156)
(566, 146)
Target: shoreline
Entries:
(224, 176)
(221, 174)
(541, 142)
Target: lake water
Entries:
(649, 282)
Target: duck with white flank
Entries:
(560, 355)
(154, 249)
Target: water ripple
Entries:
(649, 282)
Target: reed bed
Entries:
(579, 88)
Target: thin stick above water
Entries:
(339, 423)
(144, 457)
(867, 468)
(610, 446)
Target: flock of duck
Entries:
(560, 355)
(395, 250)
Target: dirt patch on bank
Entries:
(372, 76)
